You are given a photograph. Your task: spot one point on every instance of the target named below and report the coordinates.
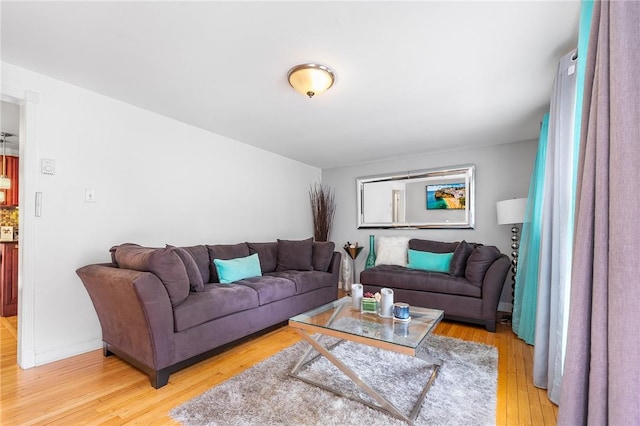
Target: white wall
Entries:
(502, 172)
(157, 181)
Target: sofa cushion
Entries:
(398, 277)
(163, 262)
(270, 288)
(195, 277)
(113, 249)
(268, 254)
(392, 251)
(460, 257)
(432, 246)
(322, 255)
(306, 281)
(216, 301)
(428, 261)
(479, 262)
(224, 252)
(201, 256)
(295, 255)
(237, 269)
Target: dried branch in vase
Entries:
(323, 208)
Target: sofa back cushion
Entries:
(195, 277)
(224, 252)
(479, 262)
(432, 246)
(295, 255)
(322, 254)
(267, 253)
(460, 257)
(162, 262)
(113, 249)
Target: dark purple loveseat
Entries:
(162, 309)
(469, 292)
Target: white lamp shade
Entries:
(311, 79)
(511, 211)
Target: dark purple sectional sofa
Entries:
(469, 292)
(162, 309)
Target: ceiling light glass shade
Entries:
(311, 79)
(5, 182)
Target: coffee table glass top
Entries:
(339, 316)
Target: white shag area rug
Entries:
(464, 393)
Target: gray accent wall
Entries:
(502, 172)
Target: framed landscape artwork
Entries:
(446, 196)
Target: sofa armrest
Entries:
(492, 284)
(134, 311)
(335, 265)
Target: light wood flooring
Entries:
(91, 389)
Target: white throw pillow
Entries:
(392, 251)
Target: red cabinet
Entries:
(12, 171)
(8, 279)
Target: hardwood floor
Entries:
(92, 389)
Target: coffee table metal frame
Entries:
(312, 322)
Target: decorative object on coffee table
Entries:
(369, 305)
(511, 212)
(356, 296)
(371, 258)
(323, 208)
(386, 303)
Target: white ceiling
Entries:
(411, 76)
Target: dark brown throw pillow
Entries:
(162, 262)
(322, 255)
(195, 277)
(267, 253)
(225, 252)
(296, 255)
(459, 259)
(431, 246)
(479, 262)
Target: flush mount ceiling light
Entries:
(311, 79)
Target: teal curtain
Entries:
(526, 297)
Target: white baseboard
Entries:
(505, 307)
(57, 355)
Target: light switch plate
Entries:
(90, 195)
(48, 167)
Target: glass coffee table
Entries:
(339, 320)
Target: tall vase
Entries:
(371, 259)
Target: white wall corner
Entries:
(57, 355)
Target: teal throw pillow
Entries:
(237, 269)
(427, 261)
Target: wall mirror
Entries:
(434, 198)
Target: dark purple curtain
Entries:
(601, 382)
